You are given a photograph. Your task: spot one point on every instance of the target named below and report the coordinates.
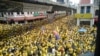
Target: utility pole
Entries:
(97, 49)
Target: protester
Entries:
(58, 38)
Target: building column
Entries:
(16, 22)
(20, 13)
(25, 13)
(71, 12)
(91, 23)
(10, 14)
(7, 13)
(78, 22)
(26, 22)
(14, 14)
(85, 9)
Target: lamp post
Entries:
(97, 49)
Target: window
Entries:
(18, 13)
(88, 9)
(30, 12)
(97, 12)
(82, 9)
(11, 13)
(22, 12)
(60, 1)
(1, 14)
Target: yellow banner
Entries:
(85, 16)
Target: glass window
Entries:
(97, 12)
(22, 12)
(11, 13)
(18, 13)
(88, 9)
(82, 9)
(61, 1)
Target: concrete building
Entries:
(85, 12)
(67, 2)
(96, 2)
(54, 0)
(60, 1)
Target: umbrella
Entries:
(82, 30)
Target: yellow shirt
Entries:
(25, 54)
(58, 53)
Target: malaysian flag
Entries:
(57, 36)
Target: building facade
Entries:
(85, 1)
(60, 1)
(85, 12)
(96, 2)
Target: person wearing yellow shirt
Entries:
(1, 53)
(11, 54)
(44, 51)
(58, 53)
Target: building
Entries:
(96, 2)
(27, 12)
(85, 12)
(67, 2)
(60, 1)
(85, 1)
(54, 0)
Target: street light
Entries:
(97, 49)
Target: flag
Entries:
(56, 35)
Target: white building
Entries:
(85, 12)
